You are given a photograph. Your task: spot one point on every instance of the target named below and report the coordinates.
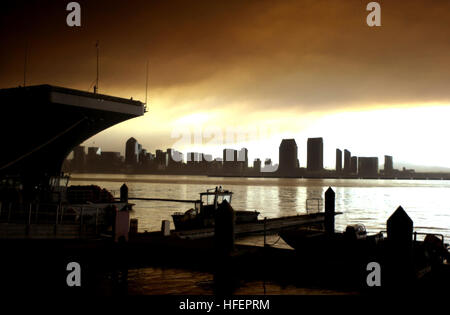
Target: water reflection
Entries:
(362, 201)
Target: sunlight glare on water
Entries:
(369, 202)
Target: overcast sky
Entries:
(282, 68)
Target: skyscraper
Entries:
(243, 158)
(368, 166)
(388, 165)
(230, 160)
(315, 154)
(257, 166)
(354, 165)
(338, 161)
(288, 155)
(131, 151)
(347, 161)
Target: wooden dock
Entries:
(270, 226)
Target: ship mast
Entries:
(96, 80)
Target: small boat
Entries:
(202, 215)
(317, 244)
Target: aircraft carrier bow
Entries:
(40, 125)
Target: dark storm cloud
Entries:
(311, 55)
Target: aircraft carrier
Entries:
(40, 125)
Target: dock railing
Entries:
(314, 205)
(50, 220)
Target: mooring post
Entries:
(224, 221)
(224, 228)
(399, 228)
(165, 227)
(124, 193)
(329, 210)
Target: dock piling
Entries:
(400, 248)
(124, 193)
(329, 210)
(165, 227)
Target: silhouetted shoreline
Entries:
(416, 176)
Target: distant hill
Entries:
(420, 168)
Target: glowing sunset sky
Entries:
(295, 68)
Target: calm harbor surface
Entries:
(370, 202)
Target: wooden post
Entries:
(224, 228)
(165, 227)
(124, 193)
(329, 211)
(29, 215)
(9, 211)
(265, 222)
(399, 228)
(134, 226)
(224, 219)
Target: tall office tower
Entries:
(347, 161)
(257, 166)
(338, 161)
(160, 158)
(93, 157)
(288, 155)
(368, 166)
(243, 158)
(131, 151)
(173, 158)
(354, 165)
(315, 155)
(230, 160)
(388, 165)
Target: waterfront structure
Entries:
(347, 161)
(368, 166)
(288, 157)
(257, 166)
(314, 155)
(131, 152)
(243, 159)
(354, 165)
(110, 161)
(388, 165)
(338, 161)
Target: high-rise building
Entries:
(131, 151)
(230, 160)
(354, 165)
(338, 161)
(288, 156)
(388, 165)
(243, 159)
(160, 159)
(257, 166)
(110, 161)
(173, 158)
(368, 166)
(315, 155)
(93, 157)
(347, 161)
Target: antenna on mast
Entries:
(146, 83)
(25, 64)
(96, 80)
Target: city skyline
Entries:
(328, 154)
(301, 68)
(138, 157)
